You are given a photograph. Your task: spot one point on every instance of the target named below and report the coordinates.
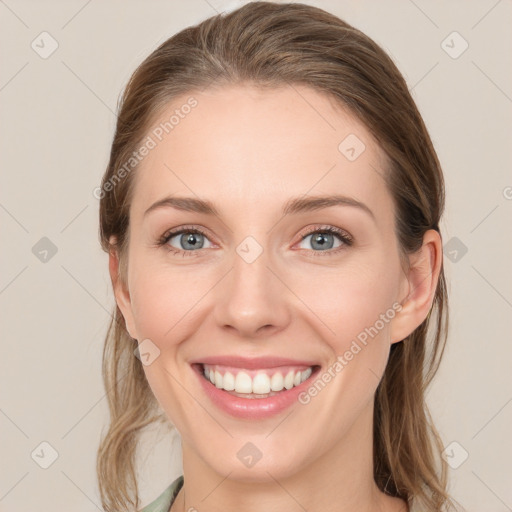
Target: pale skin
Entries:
(248, 152)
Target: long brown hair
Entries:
(269, 44)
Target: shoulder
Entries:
(164, 501)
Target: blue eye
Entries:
(190, 239)
(323, 239)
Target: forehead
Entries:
(242, 145)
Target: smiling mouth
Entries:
(255, 384)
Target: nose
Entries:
(251, 300)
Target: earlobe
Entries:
(421, 283)
(121, 291)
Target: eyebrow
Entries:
(292, 206)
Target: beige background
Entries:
(57, 125)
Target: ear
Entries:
(120, 288)
(420, 285)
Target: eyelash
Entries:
(342, 236)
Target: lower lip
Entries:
(252, 408)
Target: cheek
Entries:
(163, 308)
(164, 300)
(350, 300)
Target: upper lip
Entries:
(252, 363)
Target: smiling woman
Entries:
(276, 259)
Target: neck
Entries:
(341, 480)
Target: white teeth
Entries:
(260, 384)
(288, 380)
(306, 374)
(277, 382)
(229, 381)
(243, 383)
(218, 379)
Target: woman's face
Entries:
(263, 287)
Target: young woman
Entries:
(271, 212)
